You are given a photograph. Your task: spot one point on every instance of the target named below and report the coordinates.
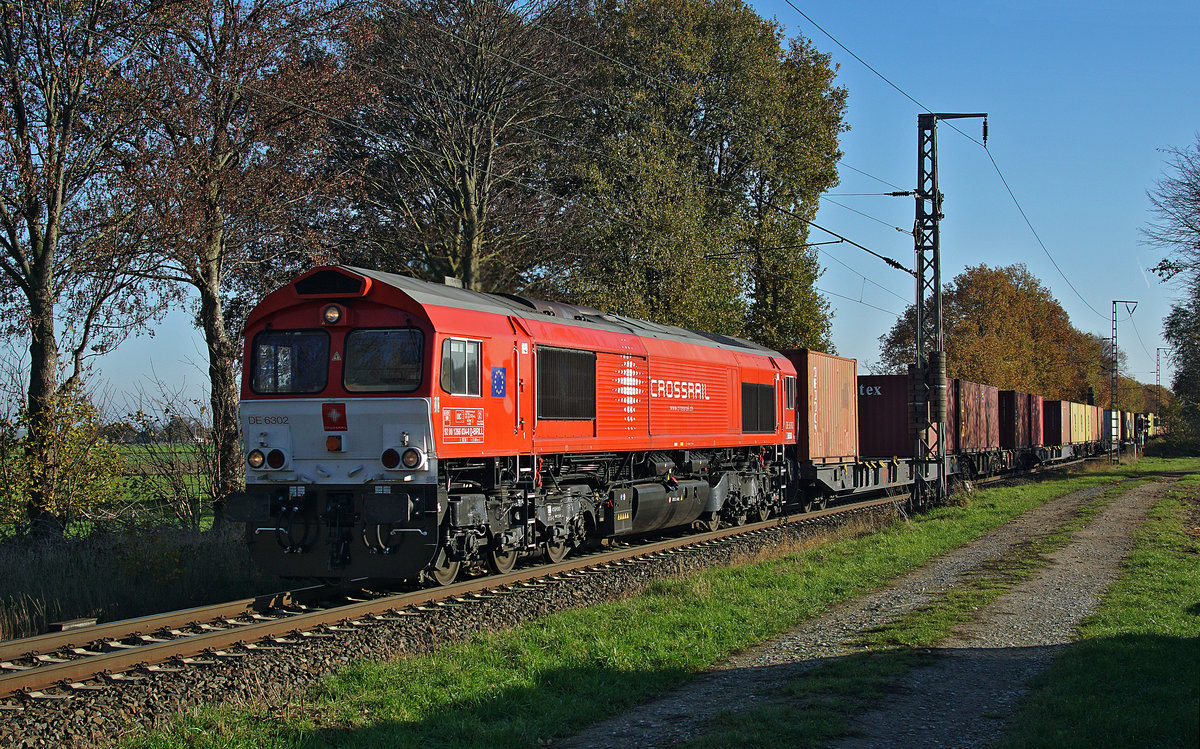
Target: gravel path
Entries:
(964, 697)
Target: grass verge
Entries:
(555, 675)
(1133, 679)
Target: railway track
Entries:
(56, 665)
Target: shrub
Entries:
(82, 475)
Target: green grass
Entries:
(1133, 679)
(555, 675)
(1148, 465)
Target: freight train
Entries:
(396, 429)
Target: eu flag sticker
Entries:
(499, 382)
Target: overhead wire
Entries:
(826, 199)
(749, 250)
(897, 315)
(992, 159)
(1139, 336)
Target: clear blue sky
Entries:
(1081, 95)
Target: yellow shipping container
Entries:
(1081, 428)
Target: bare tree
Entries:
(66, 248)
(470, 96)
(1176, 204)
(244, 92)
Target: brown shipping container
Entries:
(1014, 419)
(883, 416)
(1035, 420)
(885, 419)
(978, 416)
(1056, 421)
(951, 415)
(827, 407)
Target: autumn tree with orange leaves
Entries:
(1004, 328)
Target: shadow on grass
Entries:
(1121, 691)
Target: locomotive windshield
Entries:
(291, 361)
(383, 360)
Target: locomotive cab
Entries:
(341, 465)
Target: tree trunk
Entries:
(43, 383)
(222, 354)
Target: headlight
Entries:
(331, 314)
(402, 458)
(411, 458)
(276, 459)
(255, 459)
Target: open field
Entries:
(557, 675)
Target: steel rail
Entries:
(216, 640)
(1034, 471)
(80, 637)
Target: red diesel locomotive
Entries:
(399, 429)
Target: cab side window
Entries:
(460, 366)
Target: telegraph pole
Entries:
(1114, 432)
(928, 372)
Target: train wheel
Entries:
(501, 562)
(822, 501)
(763, 512)
(554, 552)
(709, 522)
(810, 503)
(444, 571)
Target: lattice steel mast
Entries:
(928, 372)
(1114, 429)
